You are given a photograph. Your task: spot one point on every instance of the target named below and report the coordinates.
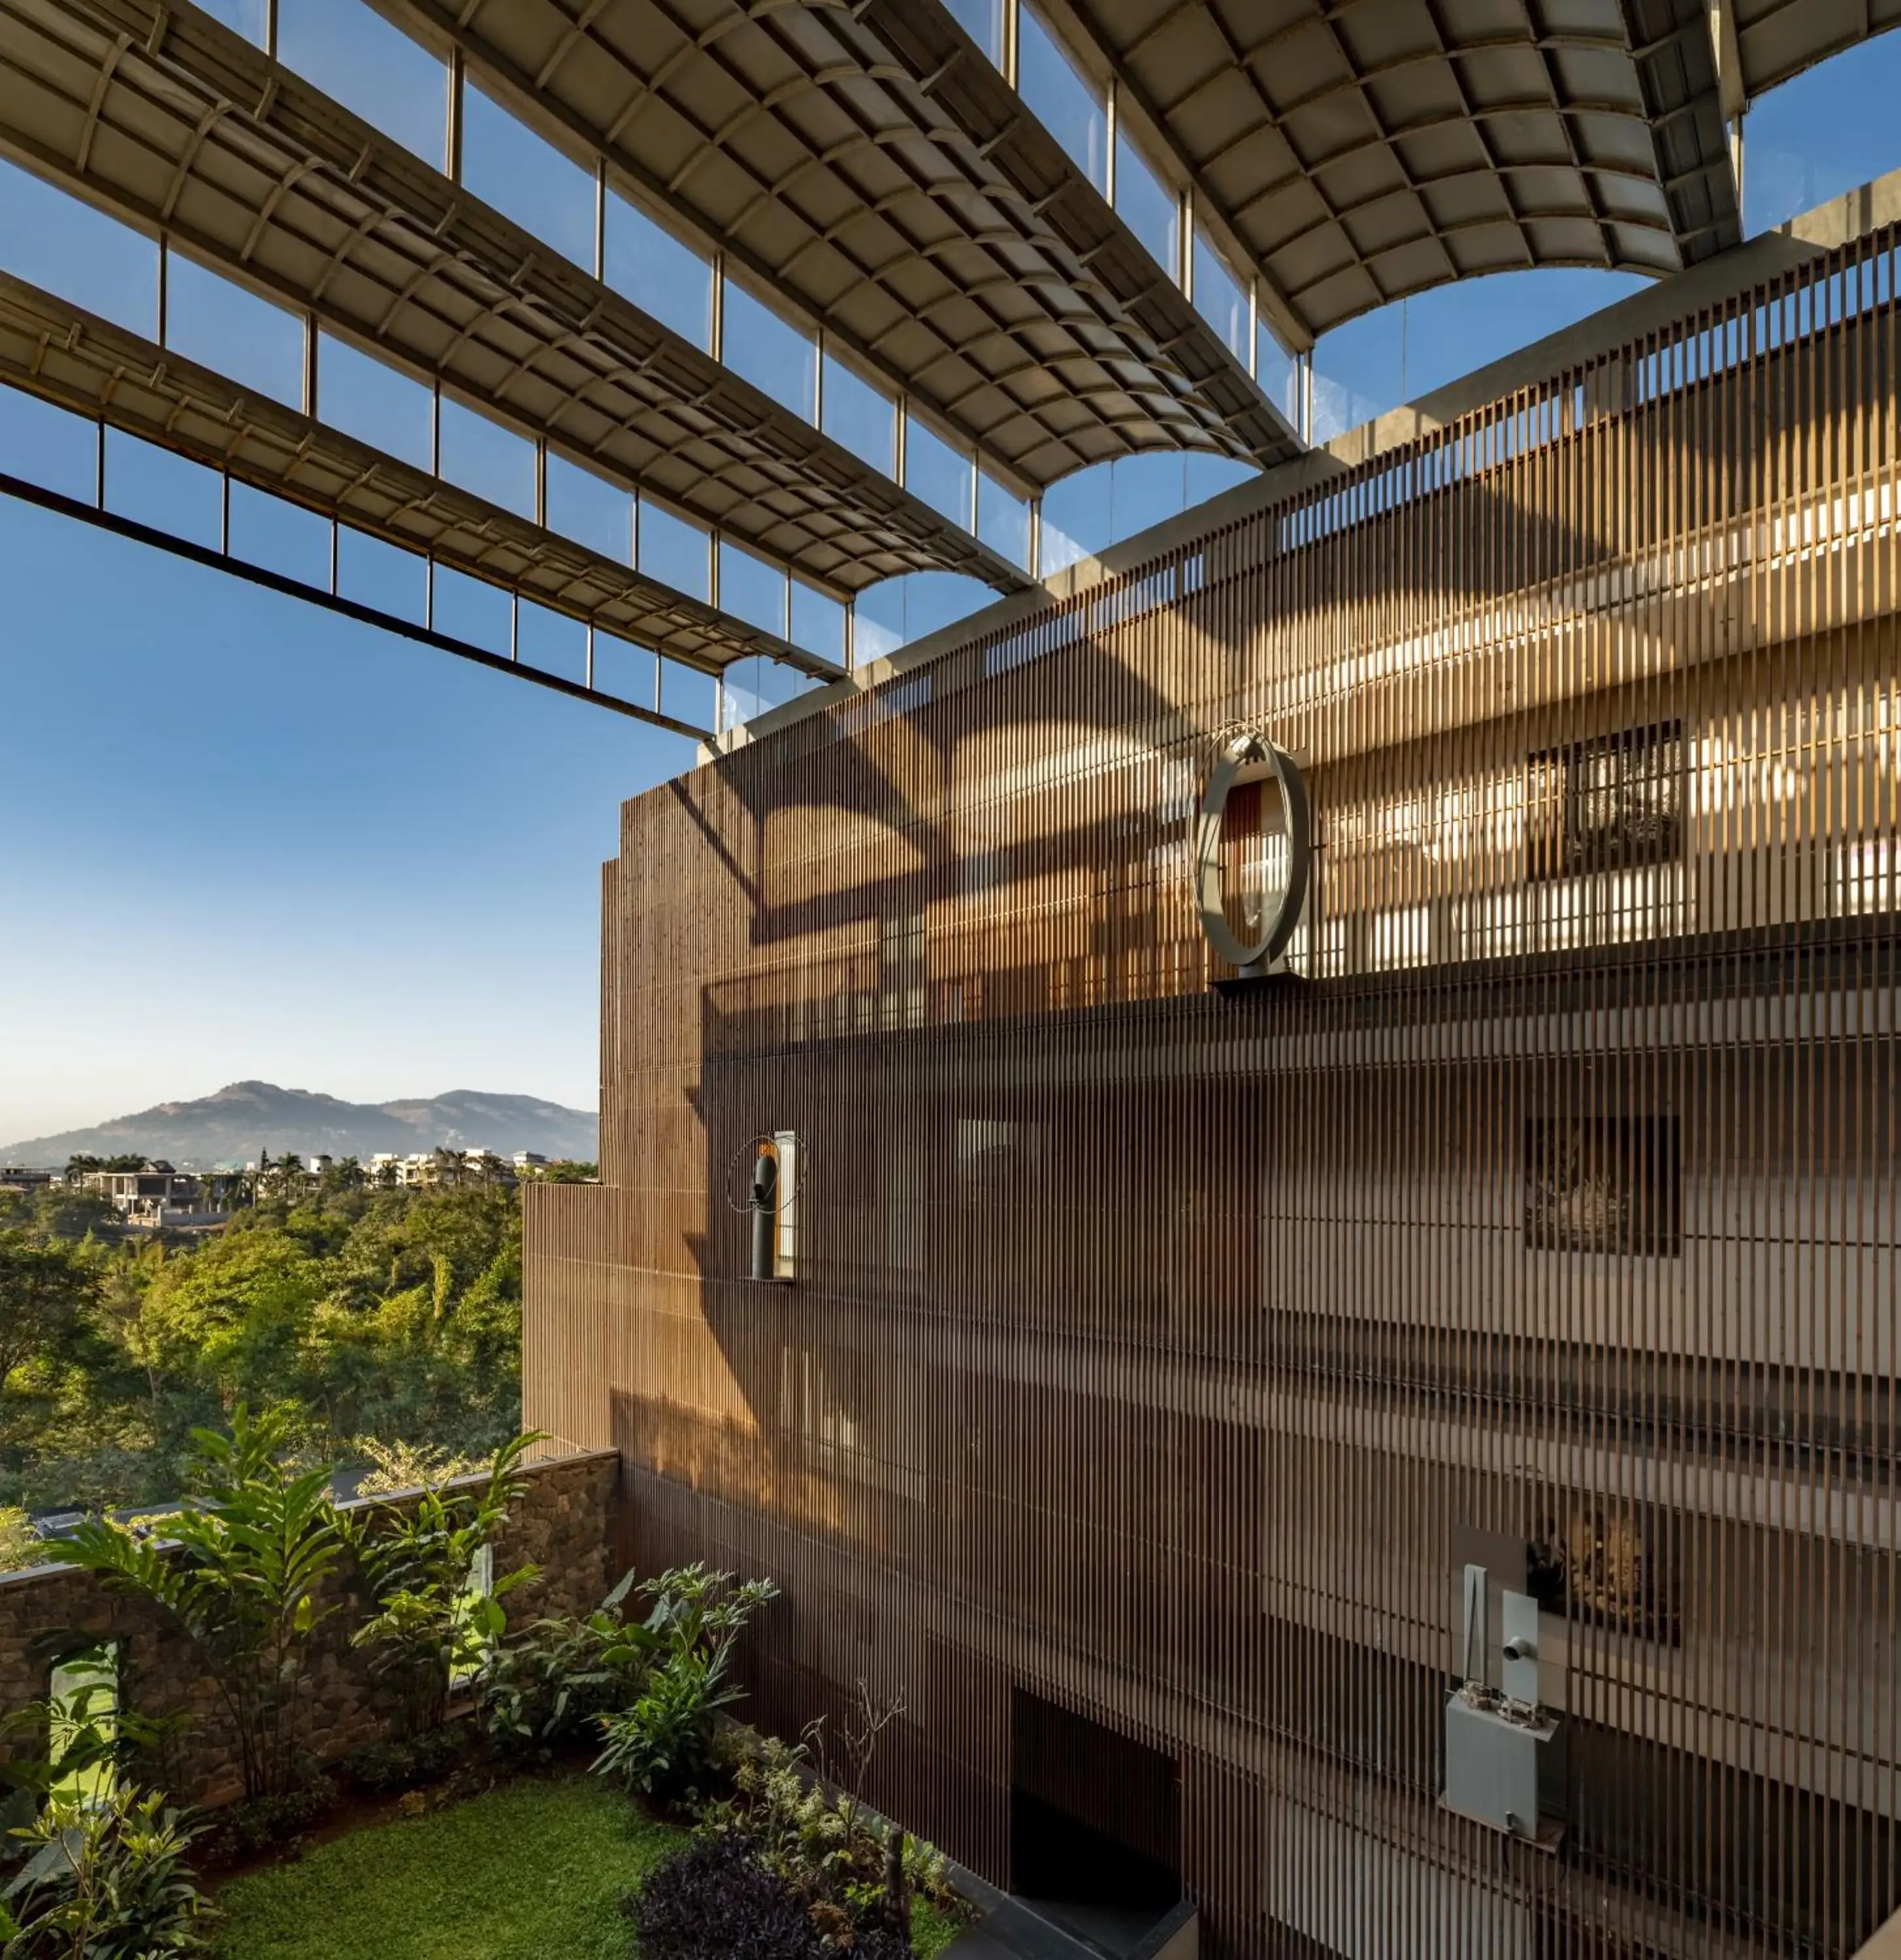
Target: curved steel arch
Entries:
(1472, 150)
(869, 170)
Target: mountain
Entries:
(232, 1126)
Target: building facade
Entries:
(1143, 1357)
(156, 1197)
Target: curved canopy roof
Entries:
(1777, 39)
(1358, 151)
(79, 362)
(868, 167)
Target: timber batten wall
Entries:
(1152, 1352)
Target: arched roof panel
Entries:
(1353, 151)
(868, 166)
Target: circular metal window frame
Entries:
(1251, 757)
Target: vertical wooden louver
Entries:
(1157, 1354)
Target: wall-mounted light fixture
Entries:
(772, 1207)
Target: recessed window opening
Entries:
(487, 457)
(378, 404)
(1603, 1184)
(1148, 206)
(674, 550)
(1064, 99)
(1220, 297)
(83, 1694)
(373, 68)
(664, 276)
(60, 242)
(526, 178)
(983, 20)
(770, 352)
(1607, 804)
(227, 327)
(1608, 1563)
(941, 476)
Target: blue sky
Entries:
(239, 836)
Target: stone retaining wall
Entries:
(564, 1523)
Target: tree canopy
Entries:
(360, 1314)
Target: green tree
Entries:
(44, 1290)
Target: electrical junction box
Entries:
(1504, 1751)
(1504, 1763)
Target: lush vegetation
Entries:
(367, 1319)
(777, 1863)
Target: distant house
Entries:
(155, 1195)
(16, 1177)
(424, 1169)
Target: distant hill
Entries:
(232, 1126)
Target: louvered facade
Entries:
(1159, 1355)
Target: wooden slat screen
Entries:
(1153, 1349)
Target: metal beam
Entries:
(35, 494)
(199, 137)
(52, 349)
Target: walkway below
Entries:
(1019, 1929)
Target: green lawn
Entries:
(534, 1871)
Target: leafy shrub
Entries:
(384, 1769)
(431, 1627)
(715, 1900)
(547, 1687)
(560, 1678)
(259, 1822)
(662, 1745)
(855, 1872)
(20, 1543)
(106, 1878)
(248, 1553)
(408, 1466)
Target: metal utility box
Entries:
(1503, 1764)
(1504, 1751)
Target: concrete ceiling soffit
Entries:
(1776, 40)
(1349, 152)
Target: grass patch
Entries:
(932, 1928)
(533, 1871)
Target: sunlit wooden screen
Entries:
(1153, 1350)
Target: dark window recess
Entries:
(1606, 804)
(1608, 1565)
(1603, 1184)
